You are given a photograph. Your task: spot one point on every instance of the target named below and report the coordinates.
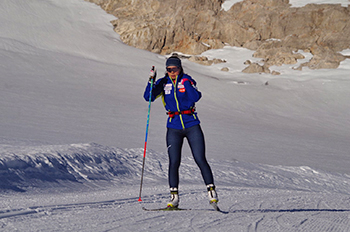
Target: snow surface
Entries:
(73, 126)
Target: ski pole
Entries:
(144, 149)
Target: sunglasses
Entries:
(172, 69)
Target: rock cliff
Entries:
(272, 28)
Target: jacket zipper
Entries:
(177, 102)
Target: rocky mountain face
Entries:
(273, 29)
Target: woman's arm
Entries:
(156, 90)
(191, 89)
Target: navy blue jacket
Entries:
(178, 96)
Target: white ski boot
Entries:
(213, 197)
(174, 200)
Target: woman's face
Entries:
(173, 71)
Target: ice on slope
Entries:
(41, 166)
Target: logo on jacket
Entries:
(167, 88)
(181, 88)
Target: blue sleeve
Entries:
(156, 90)
(192, 91)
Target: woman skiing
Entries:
(179, 93)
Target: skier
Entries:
(179, 93)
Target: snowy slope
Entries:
(254, 197)
(42, 166)
(73, 124)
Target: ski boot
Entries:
(213, 197)
(174, 201)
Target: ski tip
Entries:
(215, 206)
(217, 209)
(165, 209)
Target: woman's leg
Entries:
(174, 140)
(196, 141)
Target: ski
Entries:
(165, 209)
(215, 206)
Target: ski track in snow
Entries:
(247, 209)
(252, 196)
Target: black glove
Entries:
(153, 74)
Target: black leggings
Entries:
(195, 138)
